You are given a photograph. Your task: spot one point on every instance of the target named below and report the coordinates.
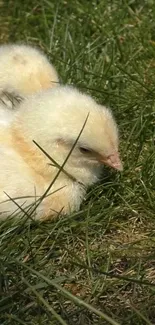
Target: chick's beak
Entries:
(113, 161)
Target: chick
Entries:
(25, 69)
(54, 118)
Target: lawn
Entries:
(96, 266)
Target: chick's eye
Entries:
(85, 150)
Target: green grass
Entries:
(96, 266)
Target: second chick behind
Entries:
(25, 69)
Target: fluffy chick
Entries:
(25, 69)
(53, 119)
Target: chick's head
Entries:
(54, 119)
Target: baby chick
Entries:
(54, 119)
(25, 69)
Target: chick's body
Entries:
(27, 175)
(25, 69)
(53, 119)
(25, 184)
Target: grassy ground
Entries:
(96, 266)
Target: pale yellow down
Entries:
(25, 69)
(54, 118)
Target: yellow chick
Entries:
(25, 69)
(54, 119)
